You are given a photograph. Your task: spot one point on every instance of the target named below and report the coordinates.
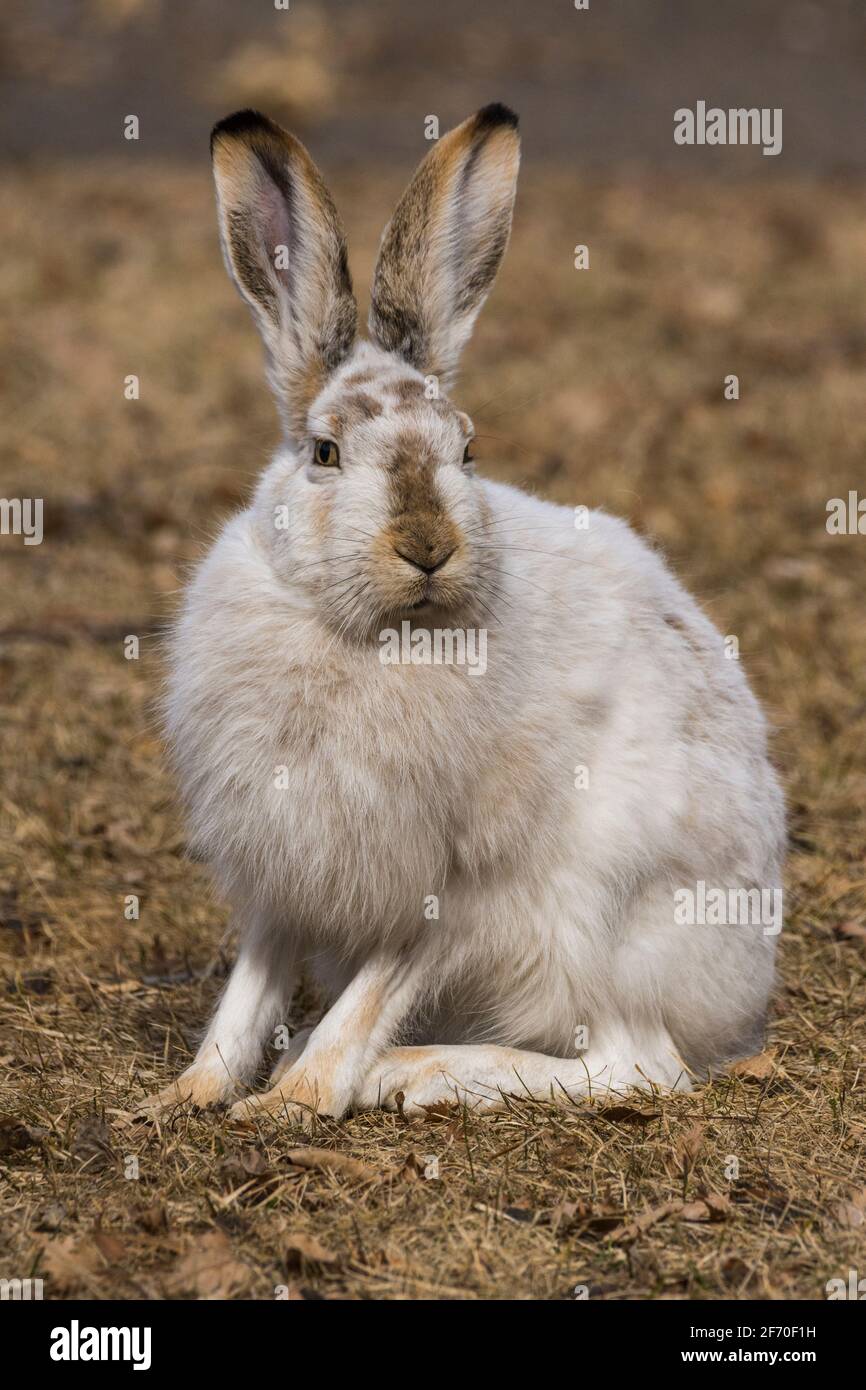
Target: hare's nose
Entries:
(430, 563)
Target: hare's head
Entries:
(373, 510)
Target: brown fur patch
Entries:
(421, 528)
(406, 390)
(357, 407)
(362, 378)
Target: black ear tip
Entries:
(496, 115)
(240, 123)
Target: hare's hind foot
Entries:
(481, 1076)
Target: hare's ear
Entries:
(286, 252)
(441, 250)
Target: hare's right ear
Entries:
(441, 250)
(285, 250)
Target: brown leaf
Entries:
(719, 1204)
(412, 1169)
(254, 1163)
(301, 1246)
(210, 1270)
(247, 1173)
(695, 1211)
(758, 1068)
(440, 1111)
(689, 1146)
(563, 1214)
(630, 1231)
(713, 1206)
(236, 1169)
(853, 929)
(329, 1160)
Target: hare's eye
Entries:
(468, 455)
(327, 453)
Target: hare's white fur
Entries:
(337, 796)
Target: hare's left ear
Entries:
(442, 248)
(285, 250)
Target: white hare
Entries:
(485, 870)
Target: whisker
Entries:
(500, 439)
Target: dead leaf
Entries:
(712, 1207)
(238, 1168)
(689, 1146)
(719, 1204)
(758, 1068)
(254, 1163)
(853, 929)
(210, 1270)
(329, 1160)
(440, 1112)
(580, 1215)
(695, 1211)
(630, 1231)
(563, 1214)
(412, 1169)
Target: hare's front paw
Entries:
(199, 1086)
(299, 1095)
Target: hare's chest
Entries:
(440, 774)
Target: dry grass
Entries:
(602, 387)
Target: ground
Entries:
(602, 386)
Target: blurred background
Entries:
(602, 386)
(593, 87)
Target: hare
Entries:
(486, 871)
